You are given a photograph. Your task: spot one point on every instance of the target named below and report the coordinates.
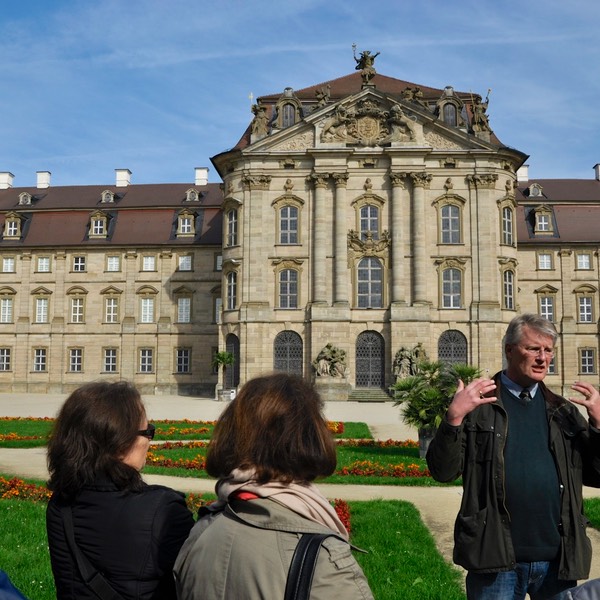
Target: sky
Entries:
(160, 86)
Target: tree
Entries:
(221, 360)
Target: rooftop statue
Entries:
(365, 64)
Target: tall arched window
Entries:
(288, 353)
(370, 360)
(288, 114)
(450, 115)
(369, 286)
(232, 374)
(452, 348)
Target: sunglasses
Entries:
(148, 433)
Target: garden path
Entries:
(437, 505)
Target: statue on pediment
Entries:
(323, 94)
(260, 123)
(336, 128)
(365, 63)
(401, 128)
(480, 119)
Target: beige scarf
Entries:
(303, 499)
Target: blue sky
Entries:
(160, 86)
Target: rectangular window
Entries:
(451, 288)
(587, 361)
(110, 360)
(79, 264)
(544, 262)
(450, 224)
(39, 360)
(509, 290)
(98, 227)
(547, 307)
(288, 288)
(183, 360)
(5, 359)
(288, 225)
(185, 262)
(149, 263)
(146, 360)
(584, 262)
(113, 263)
(8, 264)
(232, 224)
(585, 309)
(507, 226)
(111, 310)
(219, 262)
(184, 310)
(231, 290)
(41, 310)
(76, 360)
(552, 366)
(6, 310)
(12, 228)
(147, 310)
(185, 225)
(543, 222)
(77, 310)
(43, 264)
(218, 308)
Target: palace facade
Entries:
(366, 213)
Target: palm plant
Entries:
(221, 360)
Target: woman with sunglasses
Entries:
(105, 525)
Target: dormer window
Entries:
(543, 224)
(24, 198)
(107, 197)
(288, 109)
(535, 190)
(192, 195)
(185, 224)
(98, 225)
(12, 226)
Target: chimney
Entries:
(123, 177)
(6, 180)
(597, 171)
(523, 173)
(43, 179)
(201, 176)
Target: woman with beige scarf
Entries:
(269, 445)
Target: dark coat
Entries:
(132, 538)
(475, 451)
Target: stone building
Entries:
(357, 218)
(117, 281)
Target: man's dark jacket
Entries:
(132, 538)
(475, 450)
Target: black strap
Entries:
(90, 575)
(302, 569)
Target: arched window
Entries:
(369, 286)
(370, 360)
(288, 115)
(452, 348)
(450, 115)
(288, 353)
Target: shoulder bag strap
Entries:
(90, 575)
(300, 576)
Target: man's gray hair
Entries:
(539, 324)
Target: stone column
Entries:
(340, 288)
(419, 265)
(320, 238)
(399, 199)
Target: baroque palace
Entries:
(367, 215)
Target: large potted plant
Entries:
(221, 360)
(425, 396)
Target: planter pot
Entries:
(225, 395)
(425, 437)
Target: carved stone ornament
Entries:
(368, 246)
(485, 180)
(370, 124)
(302, 141)
(256, 182)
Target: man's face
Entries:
(528, 360)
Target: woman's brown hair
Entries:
(276, 427)
(96, 426)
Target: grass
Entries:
(34, 432)
(402, 559)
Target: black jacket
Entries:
(475, 450)
(131, 538)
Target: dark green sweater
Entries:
(532, 486)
